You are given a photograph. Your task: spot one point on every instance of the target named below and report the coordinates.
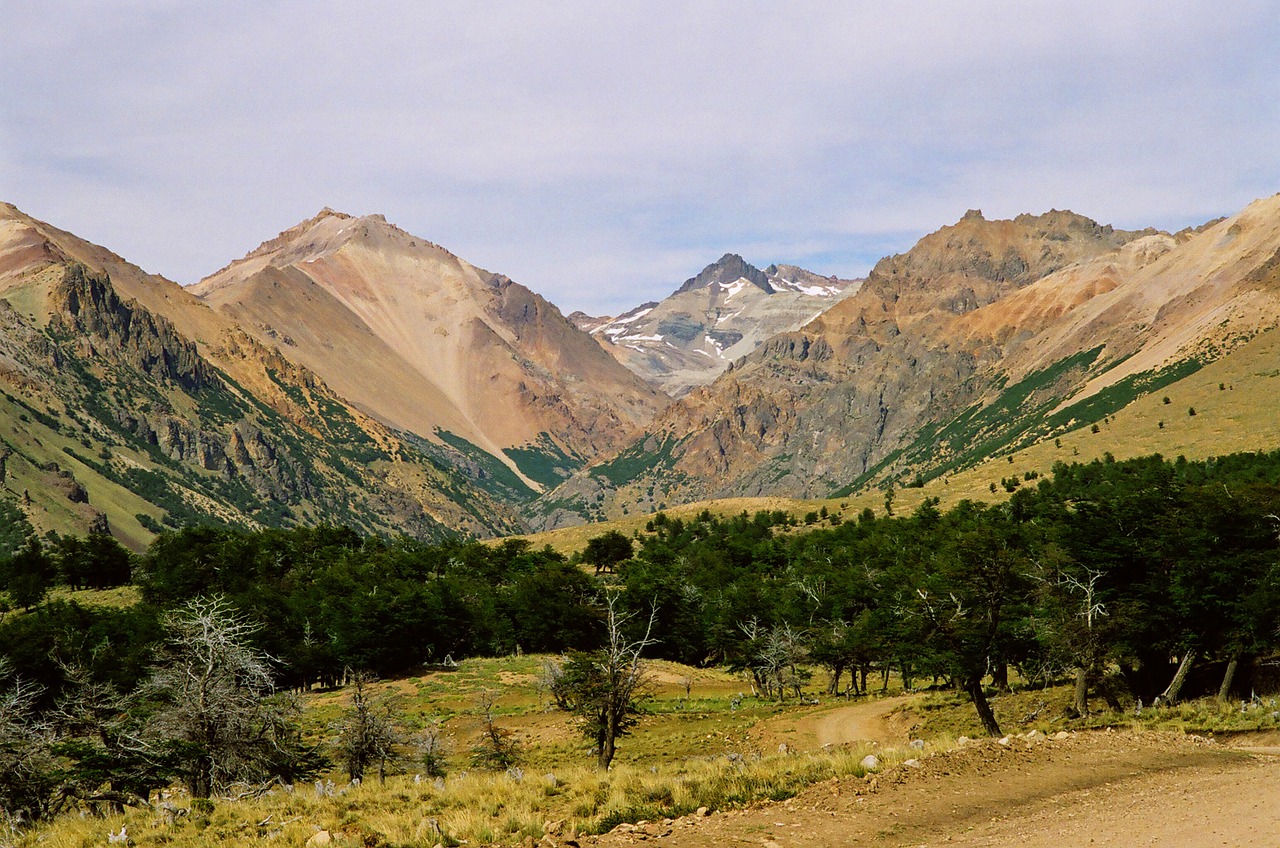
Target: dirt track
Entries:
(1108, 789)
(842, 724)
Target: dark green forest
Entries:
(1138, 580)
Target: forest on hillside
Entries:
(1140, 580)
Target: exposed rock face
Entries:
(274, 409)
(1010, 317)
(722, 314)
(430, 344)
(87, 306)
(219, 429)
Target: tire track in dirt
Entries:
(1099, 789)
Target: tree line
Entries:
(1140, 580)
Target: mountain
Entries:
(986, 336)
(423, 341)
(721, 314)
(350, 372)
(126, 404)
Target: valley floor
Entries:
(1096, 788)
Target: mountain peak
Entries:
(327, 212)
(727, 269)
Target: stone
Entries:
(871, 762)
(912, 763)
(1060, 735)
(702, 812)
(963, 740)
(1004, 740)
(320, 837)
(918, 744)
(1034, 734)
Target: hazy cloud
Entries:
(602, 153)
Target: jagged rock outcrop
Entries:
(714, 318)
(87, 306)
(983, 334)
(181, 416)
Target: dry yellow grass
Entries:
(475, 808)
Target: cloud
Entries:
(602, 153)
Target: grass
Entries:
(468, 808)
(116, 598)
(1237, 403)
(949, 715)
(688, 752)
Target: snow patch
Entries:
(730, 289)
(811, 291)
(630, 318)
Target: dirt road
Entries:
(1097, 789)
(844, 723)
(864, 722)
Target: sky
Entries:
(601, 153)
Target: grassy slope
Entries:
(37, 444)
(1244, 416)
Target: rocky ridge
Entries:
(148, 427)
(432, 345)
(724, 312)
(984, 336)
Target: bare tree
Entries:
(368, 733)
(26, 758)
(497, 748)
(772, 657)
(432, 747)
(214, 714)
(1091, 609)
(604, 686)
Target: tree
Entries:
(103, 759)
(603, 687)
(605, 552)
(28, 575)
(27, 765)
(973, 603)
(214, 713)
(497, 748)
(97, 561)
(368, 733)
(772, 655)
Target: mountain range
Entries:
(347, 371)
(715, 317)
(983, 338)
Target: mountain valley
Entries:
(347, 371)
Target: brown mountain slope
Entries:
(427, 342)
(156, 411)
(28, 246)
(968, 344)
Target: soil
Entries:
(1098, 788)
(881, 721)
